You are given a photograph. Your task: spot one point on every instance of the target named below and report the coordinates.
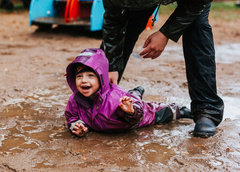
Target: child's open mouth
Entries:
(86, 87)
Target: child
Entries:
(101, 106)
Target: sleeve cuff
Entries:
(73, 124)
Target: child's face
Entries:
(87, 83)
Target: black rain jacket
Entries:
(115, 22)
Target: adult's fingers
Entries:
(146, 43)
(155, 45)
(153, 54)
(146, 51)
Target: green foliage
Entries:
(215, 6)
(223, 6)
(219, 10)
(168, 9)
(227, 11)
(18, 7)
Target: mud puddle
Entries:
(38, 139)
(34, 128)
(36, 125)
(33, 131)
(27, 122)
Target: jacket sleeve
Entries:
(114, 25)
(73, 124)
(138, 115)
(71, 114)
(185, 13)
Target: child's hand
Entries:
(126, 105)
(79, 129)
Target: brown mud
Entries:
(34, 93)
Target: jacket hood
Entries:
(95, 59)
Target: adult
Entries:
(125, 20)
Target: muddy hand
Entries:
(79, 129)
(154, 45)
(126, 105)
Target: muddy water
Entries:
(33, 136)
(37, 138)
(26, 122)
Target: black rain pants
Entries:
(199, 54)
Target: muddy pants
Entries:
(199, 54)
(168, 112)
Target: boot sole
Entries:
(203, 134)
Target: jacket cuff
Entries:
(165, 32)
(137, 117)
(73, 124)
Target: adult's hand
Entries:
(154, 45)
(113, 77)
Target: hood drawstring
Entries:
(154, 19)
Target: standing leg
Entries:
(136, 24)
(121, 28)
(199, 54)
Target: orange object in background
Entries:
(149, 23)
(72, 11)
(66, 10)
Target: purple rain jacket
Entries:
(104, 114)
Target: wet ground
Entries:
(33, 96)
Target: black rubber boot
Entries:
(140, 89)
(185, 112)
(204, 128)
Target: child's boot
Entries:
(185, 112)
(140, 89)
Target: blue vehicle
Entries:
(87, 13)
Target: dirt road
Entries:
(34, 93)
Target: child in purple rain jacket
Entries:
(101, 106)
